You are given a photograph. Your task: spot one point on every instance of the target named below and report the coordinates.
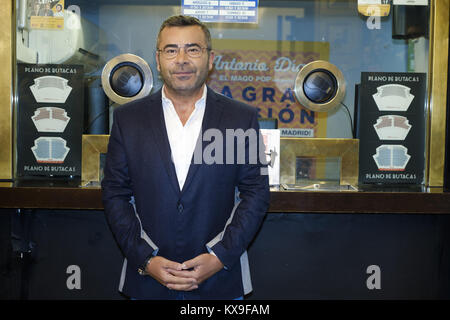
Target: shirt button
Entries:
(180, 208)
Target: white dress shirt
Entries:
(182, 139)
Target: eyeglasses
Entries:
(192, 50)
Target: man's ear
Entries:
(157, 61)
(212, 55)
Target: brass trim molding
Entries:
(346, 149)
(6, 56)
(437, 97)
(374, 10)
(92, 146)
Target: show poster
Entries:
(262, 73)
(232, 11)
(46, 14)
(49, 120)
(391, 128)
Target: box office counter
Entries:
(63, 195)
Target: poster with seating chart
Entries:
(390, 123)
(49, 120)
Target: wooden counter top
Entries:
(66, 196)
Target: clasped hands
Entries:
(184, 276)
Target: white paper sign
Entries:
(372, 2)
(232, 11)
(272, 142)
(411, 2)
(297, 133)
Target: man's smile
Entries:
(183, 75)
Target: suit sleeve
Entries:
(249, 212)
(119, 205)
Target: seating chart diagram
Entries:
(50, 89)
(393, 97)
(50, 149)
(391, 157)
(390, 109)
(392, 127)
(50, 119)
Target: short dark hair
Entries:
(185, 21)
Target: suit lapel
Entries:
(158, 126)
(211, 119)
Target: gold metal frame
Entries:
(92, 146)
(127, 58)
(6, 76)
(302, 76)
(437, 97)
(346, 149)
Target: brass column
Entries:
(437, 97)
(6, 130)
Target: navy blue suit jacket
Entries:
(149, 214)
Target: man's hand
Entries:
(165, 272)
(200, 268)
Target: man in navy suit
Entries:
(177, 220)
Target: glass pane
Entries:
(318, 170)
(256, 63)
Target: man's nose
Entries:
(181, 57)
